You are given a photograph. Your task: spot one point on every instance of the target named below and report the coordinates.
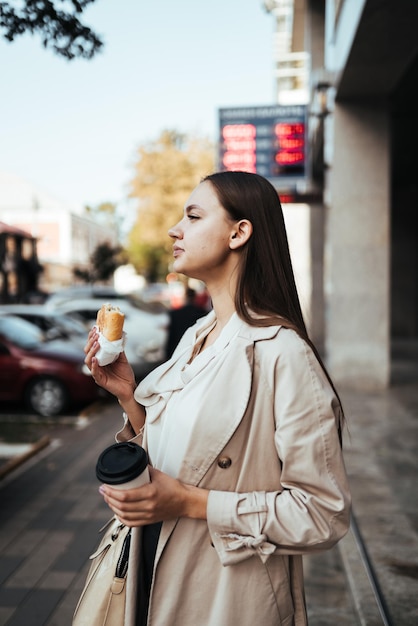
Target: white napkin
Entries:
(109, 350)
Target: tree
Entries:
(104, 213)
(103, 262)
(166, 172)
(60, 29)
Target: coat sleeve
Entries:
(310, 509)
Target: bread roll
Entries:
(110, 322)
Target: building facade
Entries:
(363, 103)
(65, 237)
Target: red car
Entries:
(48, 376)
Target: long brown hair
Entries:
(266, 284)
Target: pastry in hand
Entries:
(110, 321)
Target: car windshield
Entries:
(70, 325)
(20, 332)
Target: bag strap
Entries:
(122, 563)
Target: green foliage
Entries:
(166, 172)
(103, 262)
(59, 29)
(150, 260)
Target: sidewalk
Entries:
(382, 461)
(51, 511)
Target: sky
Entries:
(73, 128)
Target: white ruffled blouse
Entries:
(170, 393)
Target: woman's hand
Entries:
(117, 378)
(164, 498)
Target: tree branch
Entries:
(61, 30)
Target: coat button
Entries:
(224, 462)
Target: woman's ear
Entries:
(243, 229)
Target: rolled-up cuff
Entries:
(235, 523)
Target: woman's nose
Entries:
(174, 232)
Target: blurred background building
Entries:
(61, 235)
(357, 60)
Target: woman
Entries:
(242, 426)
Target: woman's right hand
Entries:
(117, 378)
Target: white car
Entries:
(146, 331)
(54, 324)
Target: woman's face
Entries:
(201, 239)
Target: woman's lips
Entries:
(177, 251)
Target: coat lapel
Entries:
(220, 413)
(224, 406)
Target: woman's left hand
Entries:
(164, 498)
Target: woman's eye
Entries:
(193, 217)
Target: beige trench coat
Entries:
(266, 446)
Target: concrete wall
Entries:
(357, 264)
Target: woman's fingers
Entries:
(133, 507)
(91, 347)
(128, 499)
(157, 501)
(91, 338)
(118, 377)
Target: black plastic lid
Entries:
(121, 463)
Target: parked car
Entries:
(48, 375)
(139, 299)
(54, 324)
(98, 292)
(171, 295)
(146, 331)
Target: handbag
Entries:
(102, 601)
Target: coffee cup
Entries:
(123, 466)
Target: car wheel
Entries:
(46, 396)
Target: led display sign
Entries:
(267, 140)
